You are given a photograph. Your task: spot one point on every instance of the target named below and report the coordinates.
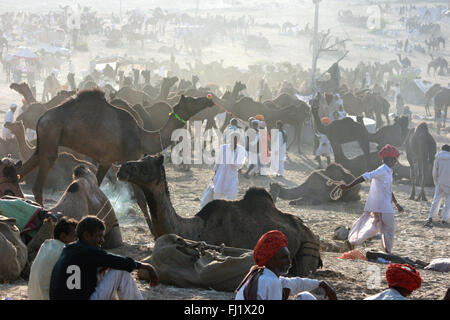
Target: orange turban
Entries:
(388, 151)
(268, 245)
(259, 117)
(403, 276)
(325, 120)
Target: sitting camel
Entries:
(9, 180)
(420, 150)
(317, 187)
(235, 223)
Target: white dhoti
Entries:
(439, 196)
(117, 283)
(371, 223)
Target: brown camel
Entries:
(84, 197)
(88, 124)
(25, 91)
(9, 180)
(342, 131)
(376, 104)
(357, 165)
(352, 105)
(61, 175)
(51, 87)
(316, 189)
(122, 104)
(393, 134)
(441, 103)
(235, 223)
(429, 95)
(133, 96)
(420, 150)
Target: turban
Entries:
(268, 245)
(259, 117)
(325, 120)
(388, 151)
(403, 276)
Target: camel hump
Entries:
(254, 196)
(94, 93)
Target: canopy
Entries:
(26, 54)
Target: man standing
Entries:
(79, 272)
(378, 212)
(266, 280)
(9, 118)
(49, 252)
(280, 150)
(441, 177)
(402, 279)
(230, 159)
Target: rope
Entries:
(110, 210)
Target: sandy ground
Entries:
(349, 277)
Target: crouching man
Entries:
(79, 272)
(266, 280)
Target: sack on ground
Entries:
(192, 264)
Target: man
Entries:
(441, 177)
(378, 212)
(402, 279)
(50, 251)
(78, 273)
(230, 159)
(266, 280)
(252, 147)
(323, 145)
(9, 118)
(280, 151)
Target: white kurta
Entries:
(41, 269)
(441, 177)
(324, 149)
(9, 117)
(380, 192)
(280, 153)
(270, 287)
(226, 179)
(389, 294)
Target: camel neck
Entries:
(25, 150)
(164, 217)
(153, 142)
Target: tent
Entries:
(414, 91)
(26, 54)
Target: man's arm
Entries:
(354, 183)
(399, 207)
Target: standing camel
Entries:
(429, 95)
(441, 103)
(88, 124)
(420, 150)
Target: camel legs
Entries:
(45, 164)
(142, 203)
(422, 181)
(101, 172)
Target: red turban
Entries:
(325, 120)
(268, 245)
(403, 276)
(389, 151)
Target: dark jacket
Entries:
(74, 276)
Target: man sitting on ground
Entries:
(76, 274)
(50, 251)
(402, 279)
(266, 280)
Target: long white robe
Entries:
(226, 179)
(389, 294)
(280, 154)
(9, 117)
(270, 287)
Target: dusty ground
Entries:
(349, 277)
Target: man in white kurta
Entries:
(230, 159)
(280, 149)
(266, 280)
(48, 254)
(9, 118)
(441, 177)
(378, 212)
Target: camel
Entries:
(113, 134)
(375, 103)
(357, 165)
(84, 197)
(316, 189)
(394, 134)
(352, 105)
(9, 181)
(51, 87)
(61, 175)
(122, 104)
(420, 150)
(441, 103)
(429, 95)
(405, 62)
(24, 90)
(235, 223)
(342, 131)
(436, 64)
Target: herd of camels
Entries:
(82, 134)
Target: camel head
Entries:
(274, 191)
(239, 86)
(8, 169)
(144, 172)
(188, 106)
(82, 171)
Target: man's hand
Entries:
(329, 291)
(154, 280)
(344, 187)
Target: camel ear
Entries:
(18, 165)
(182, 97)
